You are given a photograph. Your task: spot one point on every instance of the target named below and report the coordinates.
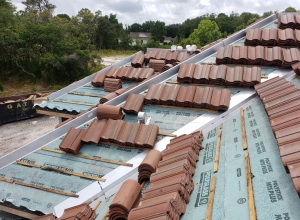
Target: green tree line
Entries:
(35, 44)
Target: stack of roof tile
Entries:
(212, 74)
(281, 100)
(127, 198)
(149, 164)
(46, 217)
(83, 211)
(138, 60)
(172, 182)
(133, 104)
(296, 68)
(274, 56)
(290, 57)
(98, 80)
(253, 37)
(157, 65)
(272, 37)
(286, 20)
(189, 96)
(109, 111)
(166, 67)
(169, 56)
(113, 72)
(108, 97)
(72, 143)
(111, 85)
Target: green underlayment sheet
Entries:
(274, 193)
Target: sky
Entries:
(168, 11)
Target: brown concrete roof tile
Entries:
(82, 210)
(286, 20)
(169, 95)
(201, 74)
(215, 100)
(279, 94)
(283, 100)
(72, 141)
(174, 147)
(124, 200)
(165, 188)
(150, 55)
(108, 97)
(98, 80)
(180, 152)
(154, 93)
(185, 163)
(284, 109)
(112, 130)
(289, 152)
(124, 72)
(288, 139)
(182, 56)
(138, 60)
(296, 67)
(181, 73)
(213, 74)
(260, 55)
(46, 217)
(229, 80)
(133, 104)
(149, 164)
(157, 65)
(185, 96)
(146, 73)
(224, 99)
(146, 135)
(188, 76)
(294, 169)
(109, 111)
(268, 82)
(112, 72)
(111, 85)
(197, 101)
(288, 131)
(280, 85)
(94, 131)
(134, 74)
(155, 212)
(289, 122)
(206, 97)
(132, 133)
(161, 54)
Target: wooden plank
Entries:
(96, 206)
(51, 113)
(105, 215)
(77, 103)
(88, 157)
(251, 202)
(74, 173)
(28, 164)
(46, 189)
(211, 198)
(172, 82)
(125, 146)
(217, 156)
(244, 136)
(167, 134)
(6, 180)
(85, 94)
(54, 150)
(18, 212)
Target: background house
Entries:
(144, 36)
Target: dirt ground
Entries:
(107, 61)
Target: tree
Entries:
(224, 23)
(135, 27)
(65, 16)
(147, 26)
(290, 9)
(207, 32)
(38, 6)
(158, 31)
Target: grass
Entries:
(109, 53)
(14, 87)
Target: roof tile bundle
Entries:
(113, 72)
(146, 136)
(72, 141)
(83, 211)
(287, 20)
(148, 165)
(98, 80)
(272, 37)
(133, 104)
(157, 65)
(126, 199)
(296, 68)
(166, 67)
(138, 60)
(224, 54)
(108, 97)
(111, 85)
(109, 111)
(189, 96)
(290, 57)
(281, 100)
(172, 182)
(213, 74)
(274, 56)
(169, 56)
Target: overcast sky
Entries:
(169, 11)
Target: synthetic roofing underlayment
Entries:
(99, 170)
